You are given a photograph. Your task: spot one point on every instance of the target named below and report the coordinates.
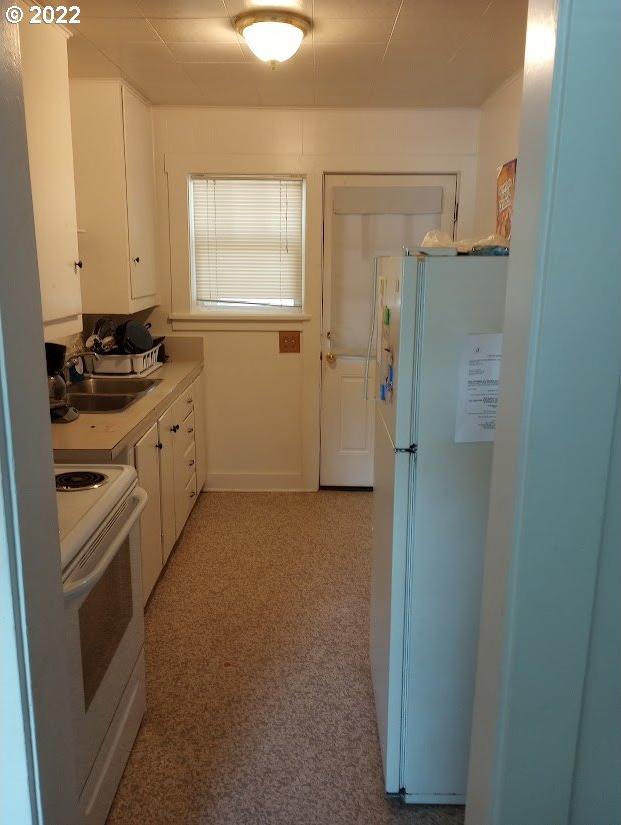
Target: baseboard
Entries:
(255, 482)
(433, 798)
(346, 488)
(259, 490)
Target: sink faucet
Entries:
(74, 360)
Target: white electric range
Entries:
(85, 496)
(99, 507)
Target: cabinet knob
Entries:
(174, 428)
(192, 494)
(190, 400)
(136, 260)
(190, 429)
(77, 265)
(191, 463)
(159, 445)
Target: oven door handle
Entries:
(75, 588)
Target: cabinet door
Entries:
(140, 194)
(198, 397)
(148, 468)
(166, 432)
(99, 161)
(50, 156)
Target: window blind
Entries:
(246, 240)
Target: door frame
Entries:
(325, 174)
(324, 314)
(38, 777)
(554, 432)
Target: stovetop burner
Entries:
(79, 480)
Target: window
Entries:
(246, 241)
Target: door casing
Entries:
(346, 408)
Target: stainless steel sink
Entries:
(113, 386)
(100, 403)
(102, 395)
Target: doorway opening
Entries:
(365, 216)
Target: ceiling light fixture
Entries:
(273, 35)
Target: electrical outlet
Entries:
(289, 341)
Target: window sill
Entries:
(196, 320)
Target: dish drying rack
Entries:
(124, 364)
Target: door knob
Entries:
(330, 357)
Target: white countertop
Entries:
(104, 435)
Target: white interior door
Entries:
(364, 216)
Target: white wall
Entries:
(540, 636)
(498, 143)
(597, 792)
(36, 754)
(263, 407)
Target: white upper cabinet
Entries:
(48, 127)
(140, 194)
(115, 193)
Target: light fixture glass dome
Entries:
(272, 36)
(273, 41)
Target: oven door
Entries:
(105, 626)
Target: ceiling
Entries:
(377, 53)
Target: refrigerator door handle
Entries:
(412, 449)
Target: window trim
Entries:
(220, 318)
(232, 312)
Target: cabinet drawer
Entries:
(185, 435)
(190, 487)
(190, 494)
(188, 463)
(183, 405)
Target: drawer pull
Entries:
(190, 429)
(192, 494)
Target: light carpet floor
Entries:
(259, 699)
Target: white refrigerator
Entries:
(439, 324)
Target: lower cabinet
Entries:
(147, 461)
(170, 463)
